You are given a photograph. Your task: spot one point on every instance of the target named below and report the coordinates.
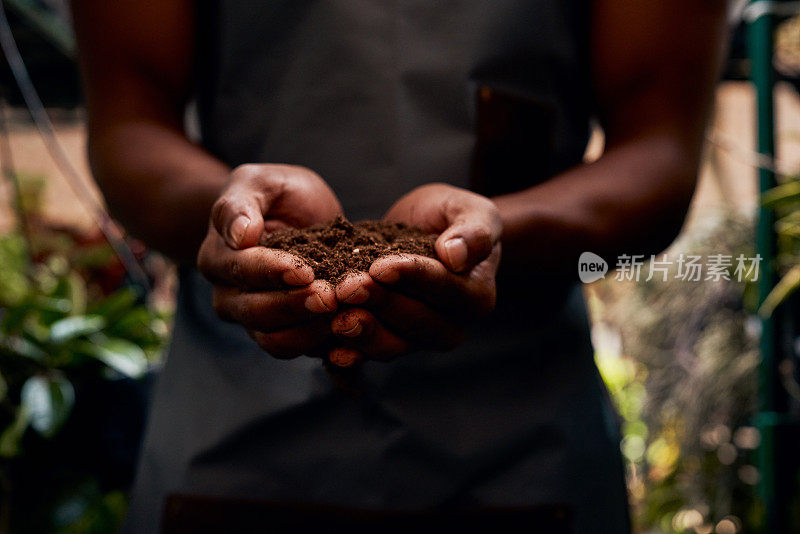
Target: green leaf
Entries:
(785, 287)
(13, 252)
(93, 256)
(34, 328)
(116, 303)
(14, 284)
(119, 354)
(791, 217)
(55, 305)
(791, 229)
(49, 401)
(15, 315)
(76, 293)
(22, 347)
(12, 434)
(32, 187)
(780, 194)
(75, 326)
(136, 325)
(14, 287)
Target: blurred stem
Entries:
(7, 168)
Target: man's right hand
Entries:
(272, 293)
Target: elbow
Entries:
(651, 211)
(666, 226)
(116, 194)
(123, 194)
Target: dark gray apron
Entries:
(380, 96)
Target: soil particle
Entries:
(337, 248)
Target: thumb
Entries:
(474, 227)
(238, 214)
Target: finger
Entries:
(474, 227)
(268, 311)
(251, 268)
(355, 288)
(411, 320)
(414, 320)
(408, 317)
(344, 357)
(295, 341)
(431, 282)
(363, 332)
(421, 277)
(238, 214)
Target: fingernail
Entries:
(343, 357)
(238, 228)
(389, 276)
(353, 331)
(456, 251)
(359, 296)
(298, 277)
(315, 304)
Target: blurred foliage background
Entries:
(79, 345)
(680, 359)
(76, 344)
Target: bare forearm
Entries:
(632, 200)
(157, 183)
(653, 73)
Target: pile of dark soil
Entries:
(340, 247)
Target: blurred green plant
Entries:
(66, 321)
(784, 200)
(680, 361)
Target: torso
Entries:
(379, 97)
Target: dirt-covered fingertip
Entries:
(387, 269)
(344, 357)
(347, 324)
(354, 288)
(321, 297)
(299, 275)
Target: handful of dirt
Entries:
(339, 247)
